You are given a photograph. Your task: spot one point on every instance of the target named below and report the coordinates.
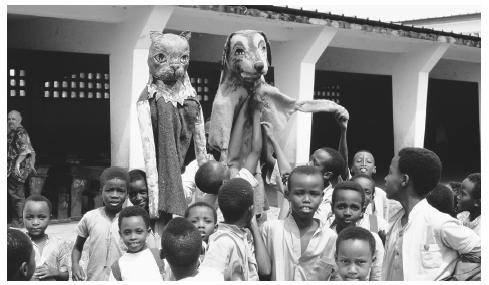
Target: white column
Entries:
(410, 88)
(129, 75)
(294, 64)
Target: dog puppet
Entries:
(169, 116)
(245, 61)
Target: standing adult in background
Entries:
(20, 164)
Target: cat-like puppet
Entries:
(169, 116)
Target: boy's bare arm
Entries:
(256, 139)
(77, 271)
(342, 118)
(262, 258)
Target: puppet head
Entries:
(169, 56)
(247, 54)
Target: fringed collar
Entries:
(175, 94)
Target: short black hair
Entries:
(114, 172)
(39, 198)
(356, 233)
(234, 198)
(442, 198)
(423, 167)
(455, 185)
(201, 204)
(210, 176)
(304, 170)
(337, 164)
(361, 175)
(137, 174)
(347, 185)
(476, 179)
(19, 250)
(181, 243)
(133, 211)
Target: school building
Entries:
(76, 72)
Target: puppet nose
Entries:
(258, 66)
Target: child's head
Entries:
(138, 188)
(204, 217)
(368, 185)
(329, 161)
(355, 250)
(363, 163)
(441, 197)
(210, 176)
(21, 261)
(235, 200)
(134, 227)
(114, 182)
(470, 193)
(305, 190)
(347, 202)
(36, 214)
(181, 245)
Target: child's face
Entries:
(36, 217)
(138, 193)
(347, 208)
(393, 181)
(354, 260)
(363, 163)
(114, 193)
(319, 159)
(368, 187)
(133, 232)
(305, 194)
(203, 219)
(465, 201)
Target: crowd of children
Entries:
(334, 224)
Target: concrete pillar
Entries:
(410, 90)
(294, 64)
(129, 69)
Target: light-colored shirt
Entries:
(56, 253)
(105, 245)
(205, 274)
(324, 211)
(475, 225)
(138, 266)
(231, 252)
(431, 241)
(283, 242)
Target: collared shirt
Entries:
(431, 241)
(475, 225)
(232, 253)
(105, 245)
(324, 211)
(283, 243)
(376, 269)
(19, 143)
(138, 266)
(56, 253)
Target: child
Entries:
(348, 202)
(138, 196)
(232, 247)
(301, 247)
(441, 197)
(21, 259)
(208, 179)
(470, 201)
(139, 263)
(203, 217)
(52, 253)
(101, 225)
(355, 249)
(181, 246)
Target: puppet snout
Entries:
(259, 66)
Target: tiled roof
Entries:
(344, 22)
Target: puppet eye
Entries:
(263, 48)
(160, 57)
(184, 58)
(239, 51)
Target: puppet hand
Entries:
(267, 129)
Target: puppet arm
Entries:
(199, 139)
(256, 139)
(319, 105)
(236, 140)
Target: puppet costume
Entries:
(169, 116)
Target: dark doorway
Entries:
(368, 99)
(452, 126)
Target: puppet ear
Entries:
(186, 35)
(225, 53)
(154, 35)
(269, 52)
